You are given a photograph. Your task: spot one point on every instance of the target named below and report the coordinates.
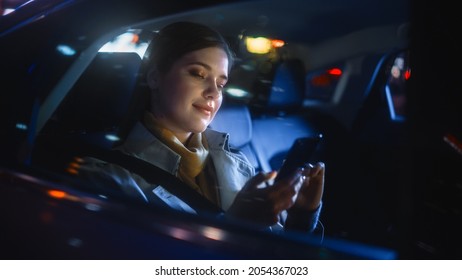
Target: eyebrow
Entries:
(207, 67)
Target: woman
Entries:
(188, 67)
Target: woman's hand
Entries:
(260, 203)
(303, 215)
(310, 194)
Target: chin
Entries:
(199, 129)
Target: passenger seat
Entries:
(282, 121)
(235, 119)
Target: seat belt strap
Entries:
(158, 176)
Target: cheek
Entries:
(180, 86)
(219, 102)
(174, 93)
(175, 103)
(218, 105)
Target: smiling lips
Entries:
(205, 109)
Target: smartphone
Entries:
(299, 154)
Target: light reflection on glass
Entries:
(180, 234)
(57, 194)
(21, 126)
(213, 233)
(236, 92)
(126, 42)
(112, 137)
(93, 207)
(75, 242)
(66, 50)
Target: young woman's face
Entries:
(190, 93)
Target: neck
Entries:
(182, 136)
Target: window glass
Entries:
(395, 88)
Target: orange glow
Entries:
(46, 217)
(72, 171)
(327, 78)
(213, 233)
(135, 38)
(57, 194)
(262, 45)
(78, 159)
(335, 71)
(276, 43)
(320, 81)
(74, 165)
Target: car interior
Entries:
(340, 69)
(295, 90)
(95, 115)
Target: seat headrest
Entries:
(234, 119)
(101, 97)
(288, 86)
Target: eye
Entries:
(197, 73)
(221, 83)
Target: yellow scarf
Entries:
(193, 156)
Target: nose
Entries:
(212, 90)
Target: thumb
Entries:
(317, 170)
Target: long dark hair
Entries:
(179, 38)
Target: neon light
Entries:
(57, 194)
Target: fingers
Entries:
(311, 192)
(263, 205)
(284, 192)
(259, 179)
(314, 170)
(290, 180)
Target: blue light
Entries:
(112, 137)
(21, 126)
(65, 50)
(236, 92)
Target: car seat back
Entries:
(281, 123)
(235, 119)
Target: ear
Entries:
(152, 78)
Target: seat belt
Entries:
(156, 175)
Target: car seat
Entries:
(282, 120)
(235, 119)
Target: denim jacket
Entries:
(232, 168)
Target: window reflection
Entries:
(396, 87)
